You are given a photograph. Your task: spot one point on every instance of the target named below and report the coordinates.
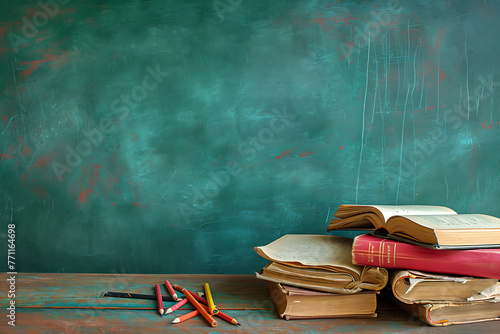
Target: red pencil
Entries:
(200, 308)
(171, 290)
(159, 299)
(224, 316)
(176, 306)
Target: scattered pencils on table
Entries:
(205, 307)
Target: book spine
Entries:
(372, 251)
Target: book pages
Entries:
(320, 251)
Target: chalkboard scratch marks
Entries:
(18, 96)
(404, 119)
(8, 123)
(467, 72)
(363, 120)
(447, 191)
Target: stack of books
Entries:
(444, 267)
(312, 276)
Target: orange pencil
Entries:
(195, 295)
(185, 317)
(176, 306)
(200, 308)
(224, 316)
(159, 299)
(171, 290)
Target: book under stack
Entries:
(444, 267)
(312, 276)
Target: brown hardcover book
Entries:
(297, 303)
(319, 262)
(427, 225)
(443, 314)
(426, 288)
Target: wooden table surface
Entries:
(72, 303)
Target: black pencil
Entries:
(135, 296)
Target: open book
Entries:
(318, 262)
(424, 225)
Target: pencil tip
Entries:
(169, 310)
(161, 311)
(175, 321)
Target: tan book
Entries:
(308, 278)
(452, 314)
(299, 254)
(427, 225)
(419, 287)
(296, 303)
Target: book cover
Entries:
(368, 250)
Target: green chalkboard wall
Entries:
(149, 136)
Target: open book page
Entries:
(320, 251)
(456, 222)
(399, 210)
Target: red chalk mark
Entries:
(341, 147)
(425, 109)
(114, 203)
(438, 43)
(116, 179)
(305, 154)
(137, 205)
(442, 75)
(5, 117)
(393, 28)
(281, 156)
(41, 39)
(35, 63)
(25, 151)
(83, 195)
(484, 124)
(320, 20)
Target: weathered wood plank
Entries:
(67, 303)
(84, 290)
(71, 321)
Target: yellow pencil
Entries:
(211, 306)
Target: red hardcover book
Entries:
(368, 250)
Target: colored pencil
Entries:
(135, 296)
(211, 306)
(195, 295)
(159, 299)
(171, 290)
(200, 308)
(185, 316)
(224, 316)
(176, 306)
